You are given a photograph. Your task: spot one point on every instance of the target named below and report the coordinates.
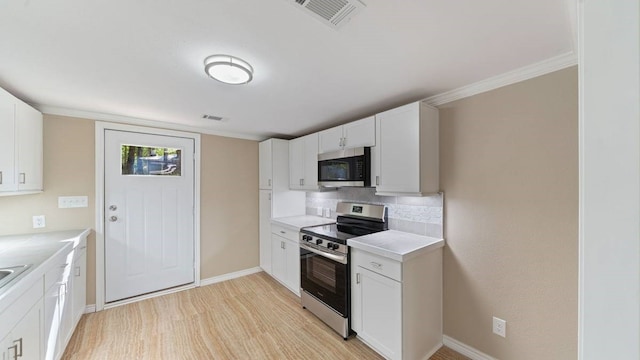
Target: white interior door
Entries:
(149, 213)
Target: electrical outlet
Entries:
(327, 212)
(319, 211)
(499, 327)
(38, 221)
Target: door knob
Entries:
(113, 218)
(113, 208)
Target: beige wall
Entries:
(229, 198)
(229, 204)
(509, 170)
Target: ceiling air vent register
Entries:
(333, 13)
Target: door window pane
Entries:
(146, 160)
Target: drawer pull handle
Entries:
(376, 265)
(282, 232)
(18, 347)
(77, 271)
(64, 266)
(357, 278)
(83, 247)
(15, 351)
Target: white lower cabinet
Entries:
(79, 301)
(396, 307)
(21, 330)
(285, 258)
(24, 341)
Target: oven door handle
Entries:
(338, 258)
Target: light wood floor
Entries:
(252, 317)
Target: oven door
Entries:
(326, 279)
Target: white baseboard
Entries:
(465, 349)
(229, 276)
(90, 309)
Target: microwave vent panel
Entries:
(333, 13)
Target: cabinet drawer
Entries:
(80, 249)
(378, 264)
(284, 232)
(60, 266)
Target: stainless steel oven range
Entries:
(324, 262)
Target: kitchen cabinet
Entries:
(354, 134)
(25, 340)
(303, 162)
(275, 197)
(65, 298)
(79, 288)
(265, 170)
(20, 147)
(21, 328)
(285, 257)
(396, 306)
(264, 205)
(405, 160)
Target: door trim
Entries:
(100, 128)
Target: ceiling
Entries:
(144, 59)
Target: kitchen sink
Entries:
(9, 273)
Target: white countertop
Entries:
(296, 223)
(396, 245)
(34, 250)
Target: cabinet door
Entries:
(265, 230)
(310, 162)
(296, 162)
(51, 320)
(265, 168)
(399, 151)
(27, 336)
(360, 133)
(278, 262)
(330, 140)
(79, 300)
(379, 312)
(292, 255)
(7, 142)
(66, 313)
(29, 140)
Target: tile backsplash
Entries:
(418, 215)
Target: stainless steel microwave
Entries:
(350, 167)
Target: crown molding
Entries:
(96, 116)
(524, 73)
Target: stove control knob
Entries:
(318, 241)
(332, 246)
(306, 237)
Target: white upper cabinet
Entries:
(406, 158)
(20, 147)
(7, 142)
(29, 126)
(303, 163)
(265, 168)
(354, 134)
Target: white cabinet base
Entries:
(397, 312)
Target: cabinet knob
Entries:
(113, 218)
(113, 208)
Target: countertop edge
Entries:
(361, 244)
(22, 283)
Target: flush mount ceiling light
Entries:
(228, 69)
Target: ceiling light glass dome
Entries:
(228, 69)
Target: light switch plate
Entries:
(499, 327)
(72, 202)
